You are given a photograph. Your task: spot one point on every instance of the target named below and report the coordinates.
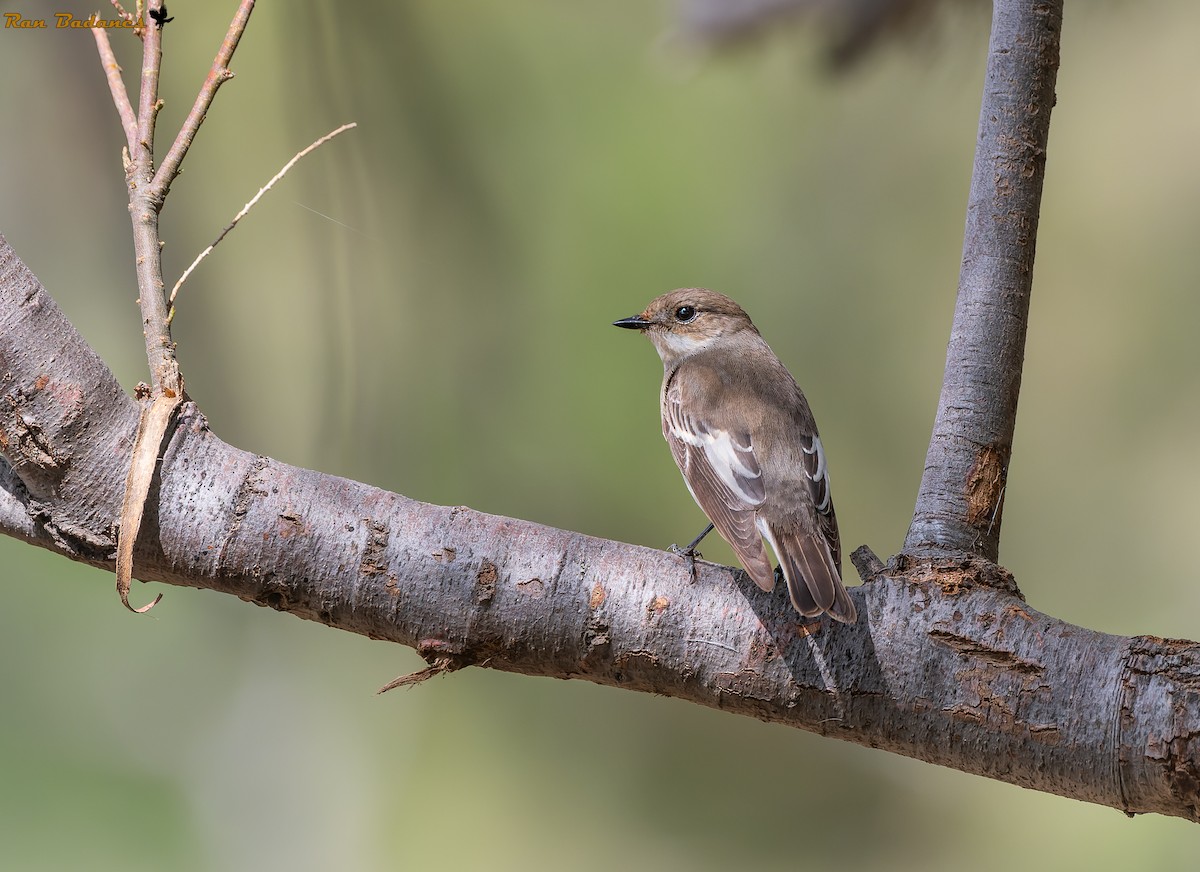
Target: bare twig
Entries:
(124, 15)
(148, 104)
(144, 205)
(218, 75)
(245, 209)
(112, 71)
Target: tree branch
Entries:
(144, 206)
(149, 188)
(947, 664)
(112, 72)
(246, 209)
(147, 194)
(217, 76)
(960, 504)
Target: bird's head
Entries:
(687, 321)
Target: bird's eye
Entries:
(685, 313)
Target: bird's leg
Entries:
(691, 547)
(690, 551)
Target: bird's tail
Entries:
(814, 581)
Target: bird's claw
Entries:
(689, 554)
(690, 551)
(685, 552)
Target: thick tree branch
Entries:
(947, 664)
(960, 505)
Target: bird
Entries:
(743, 435)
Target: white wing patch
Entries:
(820, 475)
(765, 530)
(731, 458)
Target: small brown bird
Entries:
(746, 442)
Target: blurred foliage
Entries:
(852, 29)
(424, 304)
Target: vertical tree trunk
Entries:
(960, 504)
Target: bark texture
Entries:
(946, 664)
(960, 505)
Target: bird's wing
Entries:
(817, 474)
(724, 477)
(811, 555)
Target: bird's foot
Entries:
(690, 555)
(690, 551)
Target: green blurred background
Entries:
(523, 174)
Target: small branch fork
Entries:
(148, 188)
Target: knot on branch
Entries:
(867, 562)
(35, 416)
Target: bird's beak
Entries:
(633, 322)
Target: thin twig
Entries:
(242, 214)
(122, 14)
(148, 104)
(218, 75)
(144, 207)
(112, 71)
